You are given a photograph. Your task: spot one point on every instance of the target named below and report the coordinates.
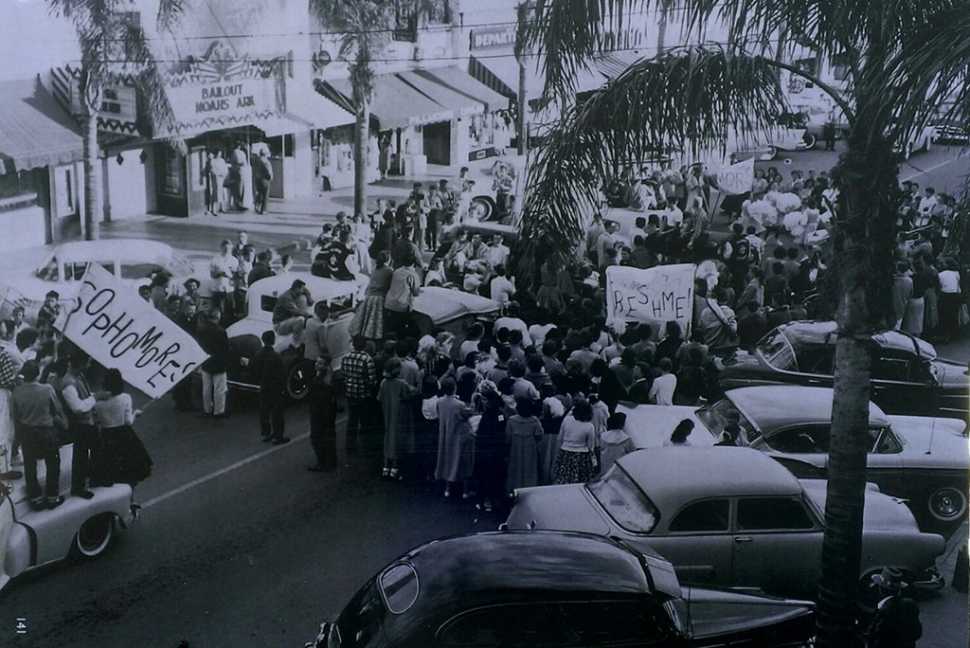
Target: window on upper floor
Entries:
(409, 15)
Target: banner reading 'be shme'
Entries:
(119, 329)
(656, 295)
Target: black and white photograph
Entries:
(484, 323)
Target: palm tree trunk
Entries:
(92, 177)
(361, 142)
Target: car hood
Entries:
(650, 425)
(932, 442)
(882, 512)
(712, 613)
(443, 305)
(563, 508)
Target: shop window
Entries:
(17, 190)
(170, 172)
(409, 14)
(280, 146)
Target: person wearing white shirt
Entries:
(503, 285)
(222, 268)
(498, 252)
(511, 321)
(927, 205)
(662, 390)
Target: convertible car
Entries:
(538, 588)
(923, 460)
(82, 528)
(907, 375)
(729, 517)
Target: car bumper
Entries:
(930, 581)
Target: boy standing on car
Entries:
(36, 409)
(76, 393)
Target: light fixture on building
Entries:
(144, 156)
(120, 159)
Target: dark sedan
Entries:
(907, 377)
(539, 588)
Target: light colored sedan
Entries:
(730, 517)
(922, 459)
(78, 527)
(130, 260)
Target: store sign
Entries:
(115, 326)
(659, 294)
(492, 38)
(225, 99)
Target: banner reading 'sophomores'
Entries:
(658, 294)
(119, 329)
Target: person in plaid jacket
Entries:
(360, 381)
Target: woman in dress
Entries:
(395, 397)
(523, 432)
(456, 443)
(491, 447)
(368, 319)
(124, 459)
(574, 464)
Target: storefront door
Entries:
(437, 143)
(172, 191)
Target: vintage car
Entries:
(552, 589)
(920, 459)
(787, 134)
(907, 375)
(132, 261)
(435, 309)
(729, 517)
(79, 527)
(244, 335)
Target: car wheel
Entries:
(810, 141)
(298, 380)
(482, 208)
(947, 504)
(772, 153)
(94, 536)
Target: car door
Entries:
(893, 385)
(698, 542)
(777, 545)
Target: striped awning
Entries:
(460, 103)
(34, 130)
(396, 104)
(501, 73)
(614, 64)
(466, 84)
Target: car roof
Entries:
(824, 333)
(443, 304)
(137, 250)
(461, 566)
(802, 405)
(319, 287)
(672, 477)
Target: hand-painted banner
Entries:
(119, 329)
(736, 178)
(655, 295)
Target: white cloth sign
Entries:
(736, 178)
(119, 329)
(658, 294)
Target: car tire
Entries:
(297, 379)
(94, 537)
(947, 504)
(810, 141)
(483, 208)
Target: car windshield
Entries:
(623, 500)
(716, 416)
(777, 351)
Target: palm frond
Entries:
(685, 99)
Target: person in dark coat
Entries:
(752, 326)
(268, 368)
(214, 341)
(491, 449)
(322, 397)
(896, 624)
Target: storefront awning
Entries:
(501, 73)
(34, 130)
(397, 104)
(460, 103)
(614, 64)
(466, 84)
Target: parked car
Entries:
(133, 261)
(788, 134)
(951, 130)
(445, 309)
(907, 375)
(921, 139)
(729, 517)
(244, 335)
(82, 528)
(552, 589)
(920, 459)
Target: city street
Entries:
(238, 545)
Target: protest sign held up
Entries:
(657, 294)
(117, 328)
(736, 178)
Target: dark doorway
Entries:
(437, 143)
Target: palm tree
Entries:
(366, 27)
(113, 50)
(687, 97)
